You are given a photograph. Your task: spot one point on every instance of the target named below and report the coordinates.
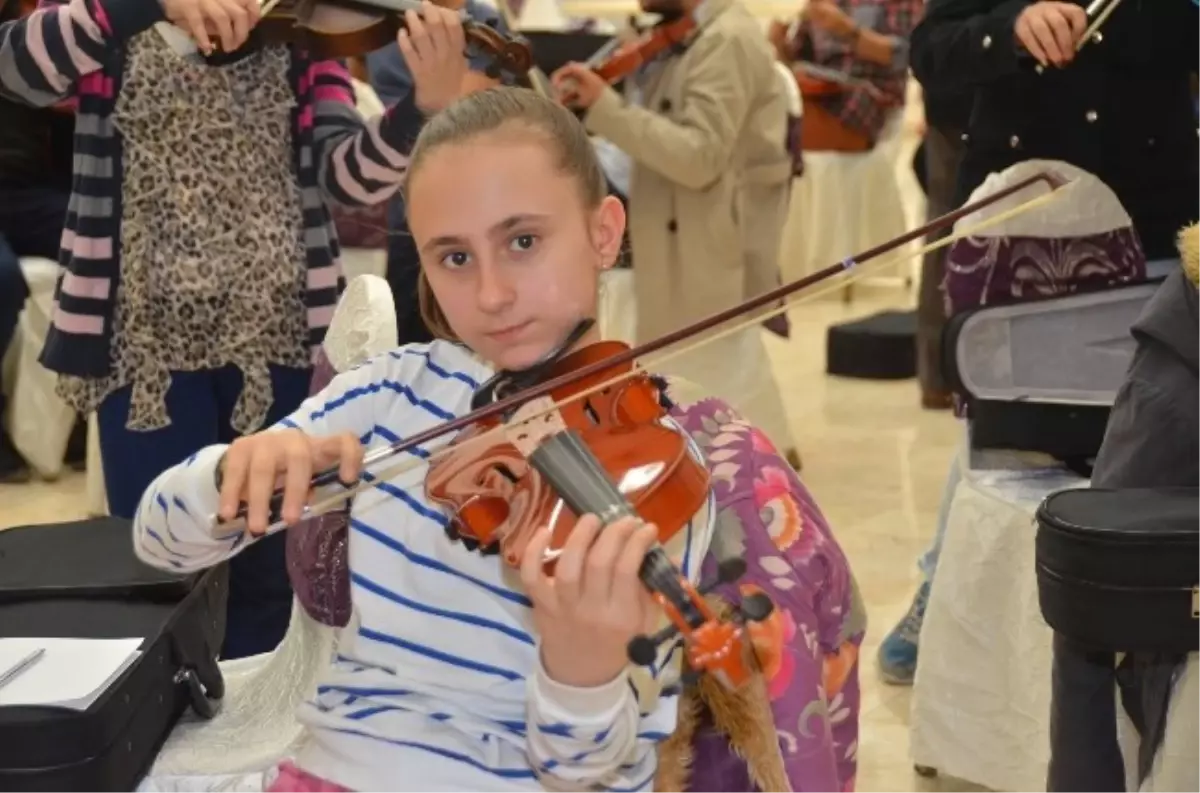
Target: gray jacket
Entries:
(1150, 442)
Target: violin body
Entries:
(328, 30)
(821, 130)
(627, 58)
(497, 499)
(341, 29)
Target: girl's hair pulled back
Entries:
(521, 113)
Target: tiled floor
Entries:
(875, 462)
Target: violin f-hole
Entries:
(505, 472)
(589, 410)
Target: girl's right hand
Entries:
(230, 20)
(433, 45)
(255, 465)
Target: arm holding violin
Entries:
(359, 162)
(172, 528)
(43, 54)
(694, 146)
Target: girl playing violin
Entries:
(456, 672)
(201, 265)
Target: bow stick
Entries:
(851, 267)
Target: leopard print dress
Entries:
(212, 249)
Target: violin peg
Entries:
(642, 650)
(756, 607)
(731, 570)
(728, 571)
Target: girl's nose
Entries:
(495, 292)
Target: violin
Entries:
(336, 29)
(618, 60)
(566, 463)
(583, 431)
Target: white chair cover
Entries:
(257, 725)
(795, 100)
(39, 422)
(1087, 207)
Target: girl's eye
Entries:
(523, 242)
(455, 259)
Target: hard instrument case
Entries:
(82, 580)
(1117, 569)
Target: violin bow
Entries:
(1097, 12)
(774, 302)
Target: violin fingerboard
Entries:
(567, 463)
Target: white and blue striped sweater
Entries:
(437, 683)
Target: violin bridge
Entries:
(527, 430)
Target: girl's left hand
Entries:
(433, 45)
(595, 603)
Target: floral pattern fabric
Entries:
(767, 517)
(982, 271)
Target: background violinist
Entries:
(389, 75)
(200, 259)
(695, 123)
(866, 40)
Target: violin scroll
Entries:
(508, 55)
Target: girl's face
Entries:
(508, 247)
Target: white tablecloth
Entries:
(981, 697)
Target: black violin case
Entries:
(1117, 569)
(82, 580)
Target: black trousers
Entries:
(943, 154)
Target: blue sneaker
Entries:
(898, 651)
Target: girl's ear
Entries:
(608, 230)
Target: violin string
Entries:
(835, 283)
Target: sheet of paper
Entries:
(72, 673)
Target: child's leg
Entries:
(260, 594)
(132, 459)
(899, 649)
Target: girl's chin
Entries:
(516, 357)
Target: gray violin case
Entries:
(1041, 375)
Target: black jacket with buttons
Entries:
(1122, 110)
